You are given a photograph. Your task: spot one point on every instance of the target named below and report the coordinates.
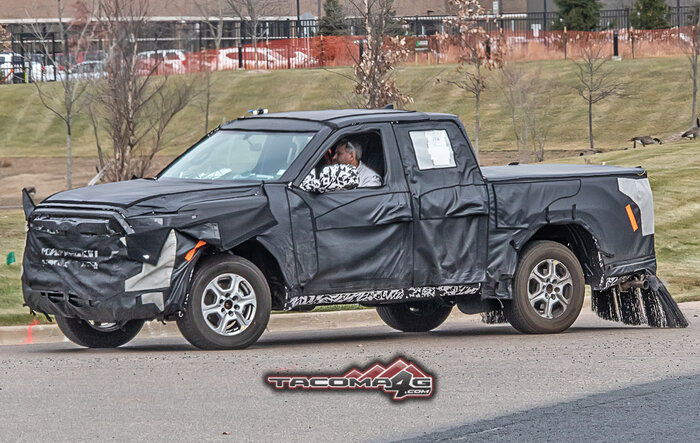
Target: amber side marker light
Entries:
(630, 215)
(190, 254)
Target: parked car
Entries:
(254, 217)
(162, 61)
(14, 68)
(91, 56)
(23, 68)
(252, 58)
(86, 71)
(303, 60)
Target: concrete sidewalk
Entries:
(17, 335)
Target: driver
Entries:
(350, 153)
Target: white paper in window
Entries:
(433, 149)
(439, 148)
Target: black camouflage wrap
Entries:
(116, 252)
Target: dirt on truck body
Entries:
(274, 212)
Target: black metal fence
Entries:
(39, 45)
(546, 21)
(194, 35)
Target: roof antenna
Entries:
(389, 106)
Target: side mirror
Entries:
(331, 178)
(28, 204)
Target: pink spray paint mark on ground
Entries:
(29, 332)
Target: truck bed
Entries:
(549, 171)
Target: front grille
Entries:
(64, 220)
(59, 220)
(69, 243)
(57, 225)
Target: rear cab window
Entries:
(433, 149)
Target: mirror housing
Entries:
(28, 204)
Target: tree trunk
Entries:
(476, 122)
(524, 154)
(590, 121)
(695, 88)
(478, 102)
(69, 159)
(694, 68)
(206, 107)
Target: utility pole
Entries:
(298, 20)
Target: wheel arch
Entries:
(261, 257)
(254, 251)
(579, 240)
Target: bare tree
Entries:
(375, 68)
(528, 96)
(480, 51)
(692, 49)
(134, 110)
(67, 101)
(213, 13)
(597, 81)
(5, 42)
(251, 12)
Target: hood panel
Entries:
(219, 213)
(155, 195)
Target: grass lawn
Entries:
(658, 104)
(673, 171)
(12, 240)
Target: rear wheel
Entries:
(548, 289)
(98, 335)
(414, 316)
(229, 305)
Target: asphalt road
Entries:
(599, 381)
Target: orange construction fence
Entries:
(330, 51)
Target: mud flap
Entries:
(494, 317)
(653, 306)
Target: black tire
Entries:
(197, 330)
(82, 333)
(531, 319)
(414, 316)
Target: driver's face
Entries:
(343, 157)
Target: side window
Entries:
(433, 149)
(356, 159)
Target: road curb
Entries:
(304, 321)
(19, 335)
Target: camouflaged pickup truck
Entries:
(260, 216)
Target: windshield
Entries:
(240, 155)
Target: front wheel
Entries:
(229, 305)
(414, 316)
(548, 289)
(98, 335)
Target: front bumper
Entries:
(118, 308)
(78, 264)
